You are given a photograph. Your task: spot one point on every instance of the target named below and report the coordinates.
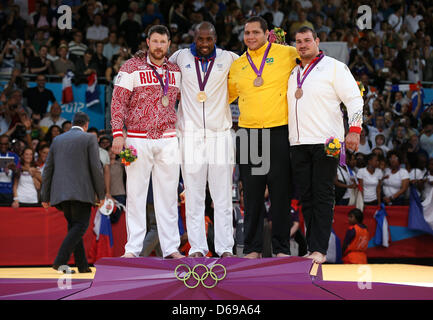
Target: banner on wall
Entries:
(96, 111)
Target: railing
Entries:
(423, 83)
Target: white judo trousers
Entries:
(159, 157)
(211, 160)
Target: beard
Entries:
(157, 54)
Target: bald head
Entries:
(205, 26)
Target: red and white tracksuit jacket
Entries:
(136, 102)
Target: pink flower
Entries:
(329, 140)
(133, 151)
(272, 36)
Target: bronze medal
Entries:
(298, 93)
(258, 82)
(201, 96)
(165, 102)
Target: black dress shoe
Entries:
(64, 269)
(85, 270)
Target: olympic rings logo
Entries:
(199, 278)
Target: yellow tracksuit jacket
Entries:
(265, 106)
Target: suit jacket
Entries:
(73, 170)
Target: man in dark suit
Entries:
(72, 176)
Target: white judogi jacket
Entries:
(316, 116)
(215, 114)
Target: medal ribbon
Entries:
(164, 86)
(201, 83)
(262, 65)
(343, 154)
(308, 69)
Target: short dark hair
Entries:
(93, 129)
(263, 23)
(359, 216)
(80, 119)
(65, 123)
(305, 29)
(159, 29)
(393, 153)
(370, 156)
(4, 135)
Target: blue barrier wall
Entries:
(95, 112)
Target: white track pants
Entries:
(161, 158)
(208, 160)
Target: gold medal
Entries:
(201, 96)
(258, 82)
(298, 93)
(165, 102)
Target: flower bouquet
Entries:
(277, 35)
(128, 155)
(332, 147)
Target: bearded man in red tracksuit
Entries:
(143, 101)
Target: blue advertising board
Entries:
(96, 112)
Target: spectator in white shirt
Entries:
(277, 14)
(369, 179)
(412, 19)
(112, 47)
(395, 181)
(28, 181)
(365, 144)
(426, 138)
(136, 16)
(415, 66)
(97, 32)
(418, 173)
(396, 19)
(305, 4)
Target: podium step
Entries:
(231, 278)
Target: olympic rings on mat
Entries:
(200, 279)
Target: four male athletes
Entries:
(273, 98)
